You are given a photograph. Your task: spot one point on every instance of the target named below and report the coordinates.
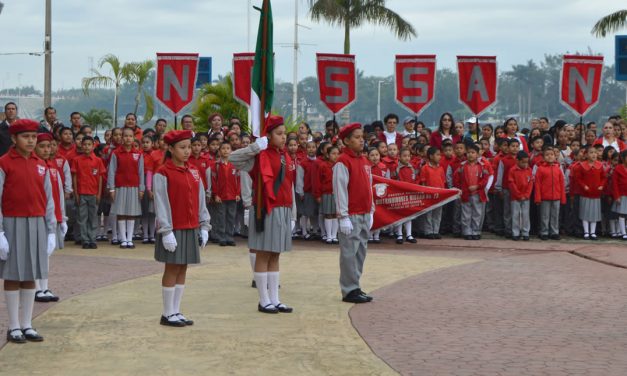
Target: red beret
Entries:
(273, 121)
(346, 130)
(45, 136)
(172, 137)
(23, 125)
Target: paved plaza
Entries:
(441, 308)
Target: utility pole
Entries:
(379, 99)
(248, 26)
(48, 57)
(295, 80)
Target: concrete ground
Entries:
(447, 307)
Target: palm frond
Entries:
(376, 12)
(98, 80)
(113, 62)
(610, 24)
(150, 108)
(331, 11)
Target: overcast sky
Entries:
(515, 31)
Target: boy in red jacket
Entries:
(502, 183)
(225, 187)
(473, 178)
(406, 173)
(520, 186)
(550, 192)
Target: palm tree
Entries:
(97, 117)
(353, 13)
(119, 72)
(139, 74)
(218, 98)
(610, 24)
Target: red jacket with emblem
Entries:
(225, 182)
(520, 183)
(23, 193)
(592, 176)
(464, 178)
(549, 182)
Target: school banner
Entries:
(242, 76)
(397, 202)
(580, 82)
(415, 81)
(477, 82)
(176, 79)
(337, 80)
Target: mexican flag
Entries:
(263, 72)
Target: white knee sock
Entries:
(593, 228)
(586, 227)
(12, 300)
(178, 296)
(399, 230)
(130, 227)
(407, 226)
(273, 288)
(168, 301)
(27, 301)
(253, 260)
(323, 231)
(376, 234)
(122, 233)
(612, 223)
(38, 285)
(113, 219)
(328, 228)
(261, 279)
(303, 225)
(335, 226)
(621, 225)
(44, 284)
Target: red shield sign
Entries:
(336, 77)
(176, 79)
(415, 81)
(580, 82)
(242, 76)
(477, 82)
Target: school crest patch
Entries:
(195, 174)
(135, 156)
(41, 170)
(381, 189)
(94, 171)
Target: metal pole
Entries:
(379, 100)
(295, 80)
(48, 57)
(248, 26)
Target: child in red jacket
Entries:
(502, 183)
(226, 193)
(303, 188)
(473, 178)
(406, 173)
(432, 175)
(379, 169)
(550, 192)
(592, 179)
(148, 204)
(619, 193)
(325, 197)
(520, 185)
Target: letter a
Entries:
(477, 83)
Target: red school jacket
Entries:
(225, 182)
(23, 192)
(507, 163)
(619, 182)
(469, 173)
(432, 176)
(325, 176)
(549, 182)
(592, 176)
(520, 183)
(380, 169)
(88, 170)
(406, 173)
(201, 163)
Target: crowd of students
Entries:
(547, 181)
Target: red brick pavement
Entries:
(526, 314)
(75, 275)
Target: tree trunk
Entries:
(347, 37)
(137, 100)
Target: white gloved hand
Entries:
(63, 228)
(204, 238)
(52, 243)
(4, 247)
(346, 226)
(293, 225)
(262, 142)
(370, 221)
(169, 242)
(246, 216)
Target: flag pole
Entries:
(259, 217)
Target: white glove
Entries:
(204, 238)
(370, 221)
(262, 142)
(293, 225)
(246, 216)
(346, 227)
(169, 242)
(4, 247)
(63, 228)
(52, 243)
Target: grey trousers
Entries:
(225, 220)
(496, 213)
(507, 211)
(87, 218)
(213, 214)
(71, 211)
(353, 253)
(550, 217)
(457, 215)
(472, 215)
(432, 221)
(520, 218)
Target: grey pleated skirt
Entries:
(310, 205)
(187, 248)
(28, 249)
(590, 209)
(300, 206)
(60, 237)
(126, 202)
(277, 234)
(148, 205)
(620, 208)
(327, 204)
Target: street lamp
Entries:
(379, 99)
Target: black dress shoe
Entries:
(355, 297)
(146, 241)
(284, 309)
(267, 309)
(555, 237)
(254, 284)
(476, 237)
(525, 238)
(184, 319)
(515, 238)
(40, 296)
(230, 244)
(16, 336)
(399, 241)
(130, 245)
(544, 237)
(93, 246)
(362, 293)
(437, 236)
(222, 244)
(115, 242)
(410, 239)
(175, 323)
(33, 336)
(78, 242)
(52, 298)
(468, 237)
